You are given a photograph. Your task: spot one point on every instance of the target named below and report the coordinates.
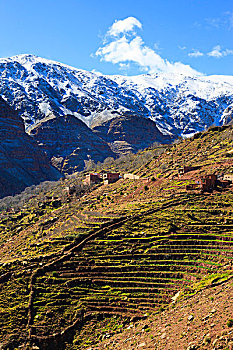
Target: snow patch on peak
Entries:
(45, 108)
(207, 87)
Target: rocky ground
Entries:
(203, 321)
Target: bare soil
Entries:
(198, 322)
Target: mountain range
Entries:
(73, 116)
(178, 104)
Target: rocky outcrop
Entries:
(22, 163)
(130, 133)
(227, 117)
(69, 143)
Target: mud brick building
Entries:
(208, 183)
(92, 179)
(109, 178)
(185, 169)
(131, 176)
(228, 177)
(103, 176)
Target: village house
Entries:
(92, 178)
(205, 183)
(185, 169)
(228, 177)
(208, 183)
(131, 176)
(103, 176)
(109, 178)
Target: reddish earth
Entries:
(198, 322)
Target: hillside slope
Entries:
(69, 143)
(203, 321)
(127, 134)
(77, 269)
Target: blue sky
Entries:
(155, 35)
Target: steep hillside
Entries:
(130, 134)
(22, 163)
(69, 143)
(203, 321)
(78, 269)
(210, 152)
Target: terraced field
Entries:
(130, 267)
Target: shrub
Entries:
(230, 323)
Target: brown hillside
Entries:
(77, 267)
(202, 321)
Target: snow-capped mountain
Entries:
(73, 117)
(179, 105)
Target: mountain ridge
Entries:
(178, 104)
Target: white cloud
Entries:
(182, 48)
(217, 52)
(228, 52)
(124, 49)
(123, 26)
(196, 53)
(225, 20)
(124, 65)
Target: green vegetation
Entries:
(230, 323)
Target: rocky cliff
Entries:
(69, 143)
(130, 133)
(22, 163)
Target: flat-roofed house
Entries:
(92, 178)
(109, 177)
(228, 177)
(185, 169)
(131, 176)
